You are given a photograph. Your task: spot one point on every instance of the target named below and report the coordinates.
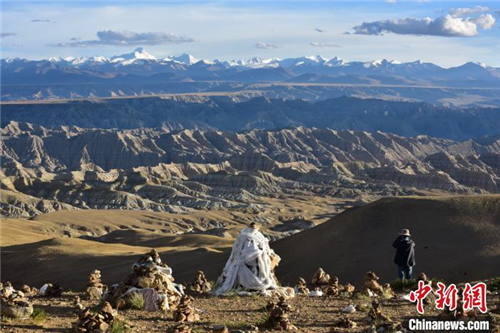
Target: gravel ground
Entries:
(237, 313)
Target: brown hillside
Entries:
(457, 238)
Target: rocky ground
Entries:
(311, 314)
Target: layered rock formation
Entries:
(47, 169)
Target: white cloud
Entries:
(224, 34)
(262, 45)
(464, 11)
(40, 21)
(127, 38)
(446, 26)
(318, 44)
(390, 1)
(485, 21)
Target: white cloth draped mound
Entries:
(249, 265)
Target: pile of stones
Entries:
(301, 287)
(375, 314)
(150, 278)
(96, 322)
(372, 286)
(388, 292)
(324, 284)
(185, 311)
(29, 291)
(14, 303)
(320, 278)
(278, 315)
(332, 288)
(349, 288)
(95, 288)
(200, 284)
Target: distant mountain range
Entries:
(140, 62)
(223, 113)
(140, 73)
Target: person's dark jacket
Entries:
(405, 251)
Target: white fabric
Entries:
(315, 293)
(44, 289)
(249, 265)
(349, 309)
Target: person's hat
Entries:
(405, 232)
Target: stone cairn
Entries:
(185, 311)
(349, 288)
(388, 292)
(375, 314)
(200, 284)
(332, 288)
(95, 288)
(372, 285)
(14, 303)
(98, 322)
(423, 277)
(301, 287)
(278, 315)
(29, 291)
(151, 278)
(78, 307)
(320, 278)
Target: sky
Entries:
(448, 33)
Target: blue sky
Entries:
(447, 33)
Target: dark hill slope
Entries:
(458, 238)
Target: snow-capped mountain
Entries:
(139, 68)
(185, 59)
(138, 54)
(142, 56)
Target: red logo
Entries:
(472, 296)
(475, 297)
(446, 297)
(419, 295)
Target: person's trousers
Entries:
(405, 272)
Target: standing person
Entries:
(405, 254)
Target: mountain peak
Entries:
(185, 58)
(141, 53)
(138, 54)
(471, 64)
